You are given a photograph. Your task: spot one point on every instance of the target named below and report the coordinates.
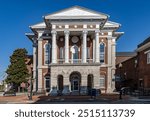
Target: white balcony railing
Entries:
(73, 61)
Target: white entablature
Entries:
(107, 24)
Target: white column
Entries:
(39, 62)
(54, 47)
(113, 61)
(34, 65)
(109, 52)
(113, 52)
(93, 50)
(109, 75)
(66, 46)
(97, 46)
(84, 47)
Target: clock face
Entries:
(75, 39)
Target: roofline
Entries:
(143, 47)
(32, 26)
(77, 7)
(30, 36)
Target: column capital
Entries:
(84, 31)
(66, 32)
(97, 31)
(54, 32)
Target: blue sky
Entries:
(17, 15)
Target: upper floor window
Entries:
(47, 53)
(102, 52)
(74, 50)
(88, 53)
(148, 58)
(61, 53)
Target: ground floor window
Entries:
(47, 83)
(102, 82)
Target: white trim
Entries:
(143, 47)
(53, 26)
(84, 26)
(102, 77)
(97, 26)
(104, 51)
(66, 26)
(148, 58)
(77, 11)
(45, 53)
(146, 51)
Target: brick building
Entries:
(135, 71)
(143, 51)
(74, 50)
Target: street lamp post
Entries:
(120, 95)
(31, 84)
(120, 66)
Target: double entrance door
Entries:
(75, 85)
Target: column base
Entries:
(109, 90)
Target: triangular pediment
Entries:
(39, 25)
(111, 24)
(77, 12)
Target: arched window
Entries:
(47, 53)
(61, 53)
(102, 52)
(75, 53)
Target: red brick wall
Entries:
(144, 68)
(128, 72)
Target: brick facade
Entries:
(135, 71)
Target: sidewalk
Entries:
(102, 99)
(23, 99)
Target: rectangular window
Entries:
(47, 53)
(102, 82)
(88, 52)
(148, 58)
(102, 57)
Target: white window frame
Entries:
(102, 83)
(100, 52)
(148, 58)
(47, 79)
(45, 55)
(88, 52)
(61, 53)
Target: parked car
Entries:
(11, 92)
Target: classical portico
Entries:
(83, 34)
(74, 52)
